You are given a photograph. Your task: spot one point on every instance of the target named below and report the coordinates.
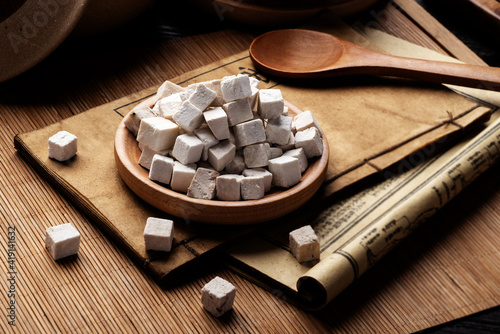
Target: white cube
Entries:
(161, 169)
(291, 143)
(268, 177)
(159, 234)
(270, 103)
(133, 119)
(62, 241)
(275, 152)
(158, 133)
(310, 140)
(187, 92)
(305, 120)
(285, 170)
(187, 148)
(278, 130)
(237, 165)
(227, 187)
(238, 111)
(188, 116)
(208, 139)
(62, 146)
(235, 87)
(217, 121)
(252, 187)
(203, 184)
(168, 106)
(168, 88)
(147, 155)
(215, 86)
(257, 155)
(182, 176)
(232, 138)
(202, 96)
(252, 99)
(221, 154)
(299, 154)
(285, 111)
(217, 296)
(304, 244)
(250, 132)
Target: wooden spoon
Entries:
(297, 53)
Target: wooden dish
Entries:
(276, 203)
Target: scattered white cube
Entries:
(217, 121)
(304, 244)
(250, 132)
(158, 133)
(203, 184)
(182, 176)
(299, 154)
(268, 177)
(235, 87)
(278, 130)
(217, 296)
(285, 170)
(188, 116)
(237, 165)
(238, 111)
(252, 187)
(207, 138)
(133, 119)
(168, 88)
(62, 241)
(147, 155)
(63, 146)
(221, 154)
(310, 140)
(257, 155)
(270, 103)
(227, 187)
(202, 96)
(161, 169)
(187, 148)
(305, 120)
(159, 234)
(168, 106)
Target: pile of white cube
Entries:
(224, 139)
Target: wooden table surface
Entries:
(84, 73)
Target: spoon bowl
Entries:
(299, 53)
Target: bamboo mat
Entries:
(101, 290)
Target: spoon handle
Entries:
(475, 76)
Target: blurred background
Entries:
(103, 27)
